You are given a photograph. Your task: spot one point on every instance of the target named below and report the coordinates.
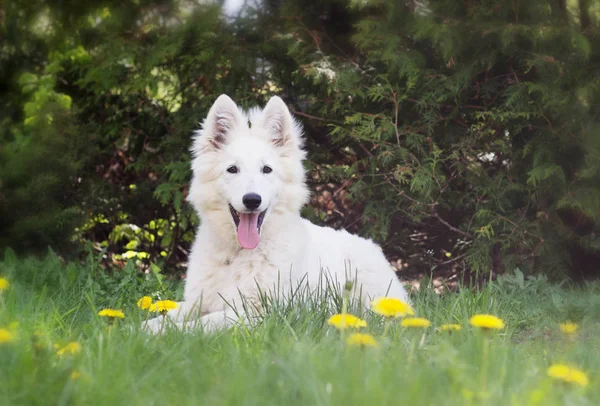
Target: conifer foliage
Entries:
(471, 128)
(458, 134)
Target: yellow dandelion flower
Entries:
(6, 336)
(392, 307)
(450, 327)
(417, 322)
(112, 313)
(4, 284)
(568, 327)
(163, 306)
(71, 348)
(144, 302)
(487, 322)
(342, 321)
(362, 340)
(568, 374)
(75, 375)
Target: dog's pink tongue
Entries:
(247, 232)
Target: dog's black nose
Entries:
(251, 200)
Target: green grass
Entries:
(292, 357)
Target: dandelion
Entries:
(568, 374)
(417, 322)
(392, 307)
(111, 313)
(162, 306)
(348, 286)
(6, 336)
(487, 322)
(342, 321)
(71, 348)
(450, 327)
(362, 340)
(75, 375)
(568, 327)
(144, 303)
(4, 284)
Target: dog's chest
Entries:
(240, 274)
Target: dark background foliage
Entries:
(461, 135)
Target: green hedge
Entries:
(460, 135)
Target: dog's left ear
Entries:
(279, 124)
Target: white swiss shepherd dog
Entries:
(248, 188)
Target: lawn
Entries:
(292, 356)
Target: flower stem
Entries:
(413, 347)
(386, 327)
(484, 362)
(344, 311)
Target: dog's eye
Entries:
(267, 169)
(232, 169)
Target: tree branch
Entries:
(435, 214)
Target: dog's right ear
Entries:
(222, 120)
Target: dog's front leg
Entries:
(220, 320)
(209, 323)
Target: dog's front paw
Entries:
(217, 321)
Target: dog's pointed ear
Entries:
(221, 121)
(279, 124)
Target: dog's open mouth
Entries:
(248, 227)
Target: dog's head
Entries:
(247, 167)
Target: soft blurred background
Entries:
(464, 136)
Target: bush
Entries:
(468, 130)
(454, 153)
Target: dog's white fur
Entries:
(291, 249)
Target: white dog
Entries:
(248, 188)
